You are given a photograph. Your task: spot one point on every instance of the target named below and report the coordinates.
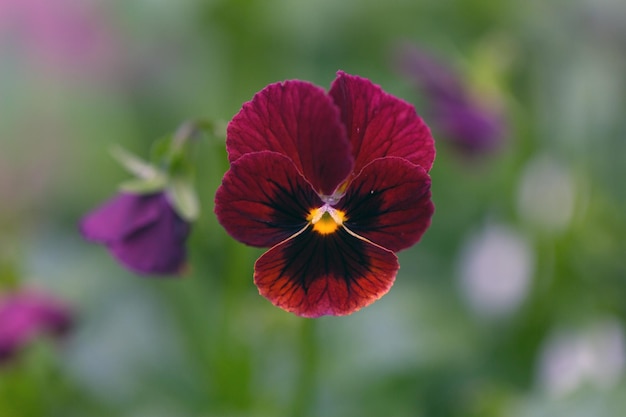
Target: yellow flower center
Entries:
(325, 219)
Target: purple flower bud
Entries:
(25, 315)
(456, 115)
(471, 128)
(142, 231)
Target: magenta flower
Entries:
(142, 231)
(26, 315)
(334, 183)
(457, 116)
(72, 35)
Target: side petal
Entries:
(380, 124)
(389, 203)
(300, 121)
(263, 199)
(312, 275)
(119, 216)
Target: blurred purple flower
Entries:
(455, 114)
(72, 35)
(26, 315)
(142, 231)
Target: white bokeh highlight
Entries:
(495, 270)
(546, 194)
(591, 356)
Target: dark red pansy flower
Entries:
(142, 231)
(26, 315)
(334, 183)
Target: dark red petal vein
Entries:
(380, 124)
(313, 275)
(389, 203)
(300, 121)
(263, 199)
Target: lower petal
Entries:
(313, 275)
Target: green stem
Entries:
(233, 362)
(189, 130)
(305, 390)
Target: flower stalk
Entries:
(146, 225)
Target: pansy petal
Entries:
(157, 249)
(28, 314)
(389, 203)
(470, 126)
(380, 124)
(119, 216)
(263, 199)
(312, 275)
(300, 121)
(438, 80)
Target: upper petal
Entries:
(312, 275)
(380, 124)
(389, 203)
(300, 121)
(120, 216)
(263, 199)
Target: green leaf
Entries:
(184, 198)
(134, 164)
(144, 186)
(160, 149)
(173, 159)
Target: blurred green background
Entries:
(513, 304)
